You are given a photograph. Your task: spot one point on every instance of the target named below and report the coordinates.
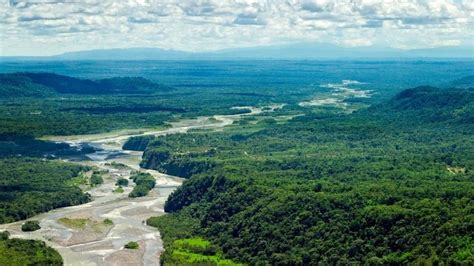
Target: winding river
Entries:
(99, 243)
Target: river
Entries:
(97, 243)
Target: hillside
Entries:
(429, 104)
(433, 98)
(380, 186)
(47, 84)
(18, 85)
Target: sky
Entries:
(47, 27)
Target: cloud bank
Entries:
(44, 27)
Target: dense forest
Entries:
(387, 184)
(32, 186)
(14, 251)
(39, 104)
(391, 184)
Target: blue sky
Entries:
(45, 27)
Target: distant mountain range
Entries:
(299, 51)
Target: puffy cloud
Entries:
(55, 26)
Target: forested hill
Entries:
(433, 98)
(391, 185)
(430, 104)
(46, 84)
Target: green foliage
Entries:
(29, 226)
(138, 191)
(4, 235)
(18, 85)
(144, 183)
(79, 223)
(196, 251)
(181, 246)
(80, 180)
(96, 179)
(174, 226)
(435, 105)
(32, 186)
(69, 106)
(26, 252)
(118, 190)
(132, 245)
(388, 185)
(122, 182)
(73, 115)
(108, 222)
(117, 165)
(178, 164)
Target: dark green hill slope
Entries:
(18, 85)
(432, 98)
(429, 104)
(44, 84)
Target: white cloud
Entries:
(55, 26)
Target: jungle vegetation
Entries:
(41, 104)
(31, 186)
(388, 185)
(181, 247)
(14, 251)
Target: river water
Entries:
(97, 243)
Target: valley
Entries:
(334, 172)
(235, 133)
(95, 243)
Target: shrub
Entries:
(132, 245)
(118, 190)
(96, 179)
(145, 182)
(4, 235)
(29, 226)
(122, 182)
